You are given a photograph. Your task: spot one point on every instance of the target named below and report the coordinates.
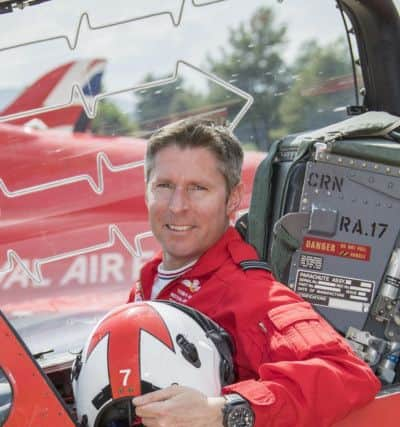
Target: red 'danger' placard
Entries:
(335, 248)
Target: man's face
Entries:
(187, 201)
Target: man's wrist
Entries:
(216, 405)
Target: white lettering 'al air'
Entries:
(164, 277)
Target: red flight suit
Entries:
(291, 365)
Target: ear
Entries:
(235, 199)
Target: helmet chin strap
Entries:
(122, 413)
(112, 415)
(147, 387)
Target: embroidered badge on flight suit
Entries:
(193, 285)
(183, 294)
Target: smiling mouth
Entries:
(179, 228)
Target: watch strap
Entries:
(235, 399)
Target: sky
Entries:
(164, 32)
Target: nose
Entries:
(179, 200)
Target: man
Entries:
(292, 368)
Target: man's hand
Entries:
(178, 406)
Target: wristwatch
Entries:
(237, 411)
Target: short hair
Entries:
(195, 133)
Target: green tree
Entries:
(110, 120)
(316, 91)
(165, 100)
(253, 62)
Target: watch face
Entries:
(241, 416)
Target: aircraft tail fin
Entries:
(50, 90)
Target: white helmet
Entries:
(142, 347)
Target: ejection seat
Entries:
(324, 215)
